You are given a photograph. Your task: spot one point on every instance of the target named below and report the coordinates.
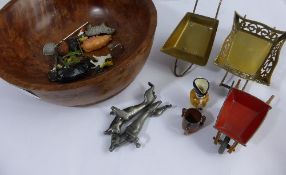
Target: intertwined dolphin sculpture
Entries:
(132, 131)
(130, 112)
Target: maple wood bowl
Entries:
(25, 26)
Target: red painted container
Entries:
(241, 115)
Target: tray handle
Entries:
(217, 11)
(184, 72)
(195, 7)
(270, 99)
(237, 86)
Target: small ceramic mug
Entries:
(193, 120)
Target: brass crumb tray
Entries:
(193, 39)
(251, 51)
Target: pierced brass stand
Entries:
(251, 51)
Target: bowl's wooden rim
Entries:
(98, 79)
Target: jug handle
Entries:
(217, 11)
(183, 112)
(203, 120)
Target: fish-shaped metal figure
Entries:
(132, 131)
(98, 30)
(130, 112)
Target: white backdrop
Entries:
(37, 138)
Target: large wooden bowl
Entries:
(26, 25)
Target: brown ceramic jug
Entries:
(193, 120)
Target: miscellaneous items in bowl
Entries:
(74, 71)
(72, 54)
(70, 61)
(49, 49)
(137, 115)
(101, 62)
(116, 49)
(81, 28)
(63, 48)
(96, 42)
(99, 30)
(81, 36)
(193, 120)
(199, 95)
(74, 66)
(73, 44)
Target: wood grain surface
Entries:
(26, 25)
